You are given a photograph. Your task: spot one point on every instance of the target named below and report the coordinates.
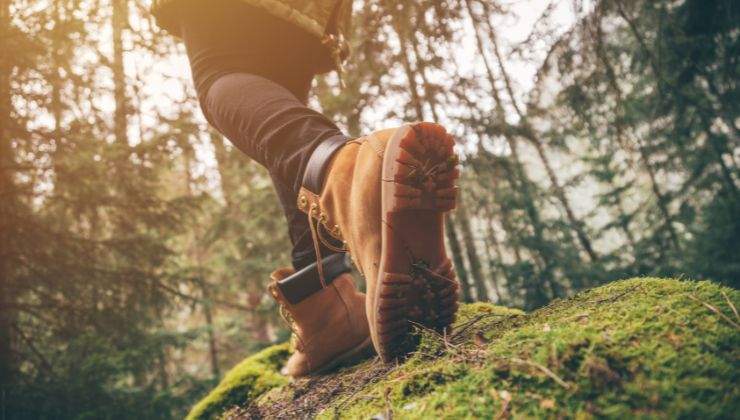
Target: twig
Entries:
(504, 413)
(388, 406)
(544, 370)
(732, 306)
(460, 329)
(444, 338)
(463, 327)
(614, 297)
(716, 311)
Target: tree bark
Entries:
(518, 170)
(212, 345)
(529, 134)
(119, 23)
(227, 187)
(457, 258)
(644, 158)
(8, 201)
(196, 253)
(463, 219)
(257, 323)
(495, 244)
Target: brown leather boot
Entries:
(383, 199)
(328, 319)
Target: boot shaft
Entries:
(346, 207)
(310, 308)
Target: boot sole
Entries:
(416, 282)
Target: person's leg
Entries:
(271, 125)
(253, 72)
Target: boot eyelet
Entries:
(323, 218)
(302, 201)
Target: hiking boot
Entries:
(383, 197)
(327, 317)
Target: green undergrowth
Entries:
(634, 348)
(249, 379)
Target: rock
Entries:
(640, 347)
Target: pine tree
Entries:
(9, 206)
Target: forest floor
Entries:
(642, 347)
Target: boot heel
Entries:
(424, 298)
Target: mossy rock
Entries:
(640, 348)
(249, 379)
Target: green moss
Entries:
(248, 380)
(640, 348)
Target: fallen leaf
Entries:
(480, 339)
(674, 339)
(547, 404)
(505, 395)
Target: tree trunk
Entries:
(413, 86)
(509, 229)
(212, 345)
(575, 224)
(530, 135)
(196, 254)
(258, 323)
(495, 244)
(119, 23)
(518, 168)
(654, 65)
(7, 205)
(164, 380)
(457, 258)
(491, 241)
(471, 250)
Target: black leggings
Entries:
(253, 72)
(272, 126)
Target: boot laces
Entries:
(318, 240)
(295, 338)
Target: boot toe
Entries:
(297, 366)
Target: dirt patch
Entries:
(304, 398)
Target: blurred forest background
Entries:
(136, 243)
